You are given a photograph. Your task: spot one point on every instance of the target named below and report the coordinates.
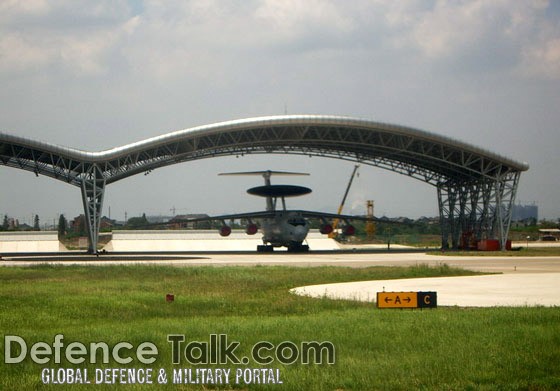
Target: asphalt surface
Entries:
(534, 289)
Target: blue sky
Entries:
(94, 75)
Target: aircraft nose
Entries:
(300, 233)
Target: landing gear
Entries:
(298, 248)
(293, 247)
(264, 249)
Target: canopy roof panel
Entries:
(424, 155)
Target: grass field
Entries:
(440, 349)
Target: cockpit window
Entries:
(296, 222)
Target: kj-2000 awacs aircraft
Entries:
(280, 227)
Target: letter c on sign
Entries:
(427, 299)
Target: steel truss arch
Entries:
(476, 188)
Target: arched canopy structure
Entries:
(476, 188)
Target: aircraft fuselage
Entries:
(285, 230)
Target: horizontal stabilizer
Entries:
(261, 173)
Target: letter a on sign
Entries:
(397, 300)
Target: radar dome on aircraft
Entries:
(279, 191)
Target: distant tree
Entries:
(137, 222)
(544, 223)
(36, 226)
(62, 226)
(79, 225)
(5, 223)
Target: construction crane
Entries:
(370, 225)
(335, 221)
(174, 210)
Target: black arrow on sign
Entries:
(407, 299)
(387, 300)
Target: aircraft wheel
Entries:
(298, 248)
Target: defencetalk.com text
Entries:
(57, 356)
(218, 349)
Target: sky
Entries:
(98, 74)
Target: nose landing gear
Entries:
(294, 247)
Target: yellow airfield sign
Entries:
(406, 299)
(397, 300)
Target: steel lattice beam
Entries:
(476, 188)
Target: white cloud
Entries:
(542, 59)
(19, 54)
(448, 28)
(171, 37)
(512, 36)
(540, 43)
(210, 40)
(86, 55)
(81, 53)
(36, 34)
(16, 8)
(292, 19)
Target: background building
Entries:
(525, 212)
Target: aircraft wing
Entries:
(268, 214)
(253, 217)
(236, 216)
(322, 215)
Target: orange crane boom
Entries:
(335, 221)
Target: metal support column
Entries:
(449, 216)
(93, 190)
(506, 189)
(485, 219)
(483, 208)
(443, 214)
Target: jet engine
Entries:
(326, 229)
(349, 230)
(251, 229)
(225, 230)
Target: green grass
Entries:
(441, 349)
